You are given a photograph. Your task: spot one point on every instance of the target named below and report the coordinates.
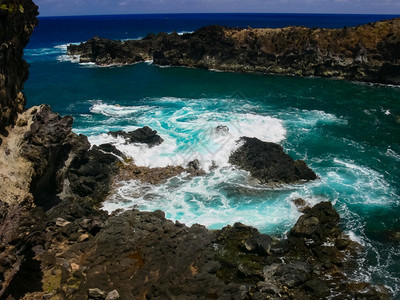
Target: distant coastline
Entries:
(368, 53)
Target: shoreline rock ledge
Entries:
(369, 52)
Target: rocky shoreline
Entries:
(368, 53)
(56, 243)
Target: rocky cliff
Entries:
(364, 53)
(55, 243)
(17, 21)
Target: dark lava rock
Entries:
(193, 166)
(318, 223)
(363, 53)
(65, 166)
(317, 288)
(111, 149)
(144, 135)
(91, 173)
(293, 274)
(221, 129)
(15, 30)
(108, 52)
(268, 163)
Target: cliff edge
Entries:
(17, 21)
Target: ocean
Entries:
(348, 133)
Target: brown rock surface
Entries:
(364, 53)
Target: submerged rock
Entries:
(268, 163)
(222, 129)
(144, 135)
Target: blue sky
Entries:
(96, 7)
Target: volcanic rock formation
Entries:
(369, 52)
(268, 163)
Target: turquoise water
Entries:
(349, 133)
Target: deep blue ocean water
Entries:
(349, 133)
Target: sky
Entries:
(107, 7)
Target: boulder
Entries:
(222, 129)
(268, 163)
(144, 135)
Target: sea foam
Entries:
(188, 134)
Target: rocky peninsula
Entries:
(368, 53)
(56, 243)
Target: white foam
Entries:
(393, 154)
(189, 134)
(184, 32)
(307, 119)
(200, 200)
(355, 238)
(115, 110)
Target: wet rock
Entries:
(318, 223)
(301, 204)
(222, 129)
(130, 171)
(268, 163)
(193, 166)
(111, 149)
(143, 135)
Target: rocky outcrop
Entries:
(108, 52)
(130, 171)
(17, 21)
(268, 163)
(43, 164)
(144, 135)
(364, 53)
(82, 253)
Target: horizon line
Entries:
(218, 13)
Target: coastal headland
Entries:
(368, 53)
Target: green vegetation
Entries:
(11, 8)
